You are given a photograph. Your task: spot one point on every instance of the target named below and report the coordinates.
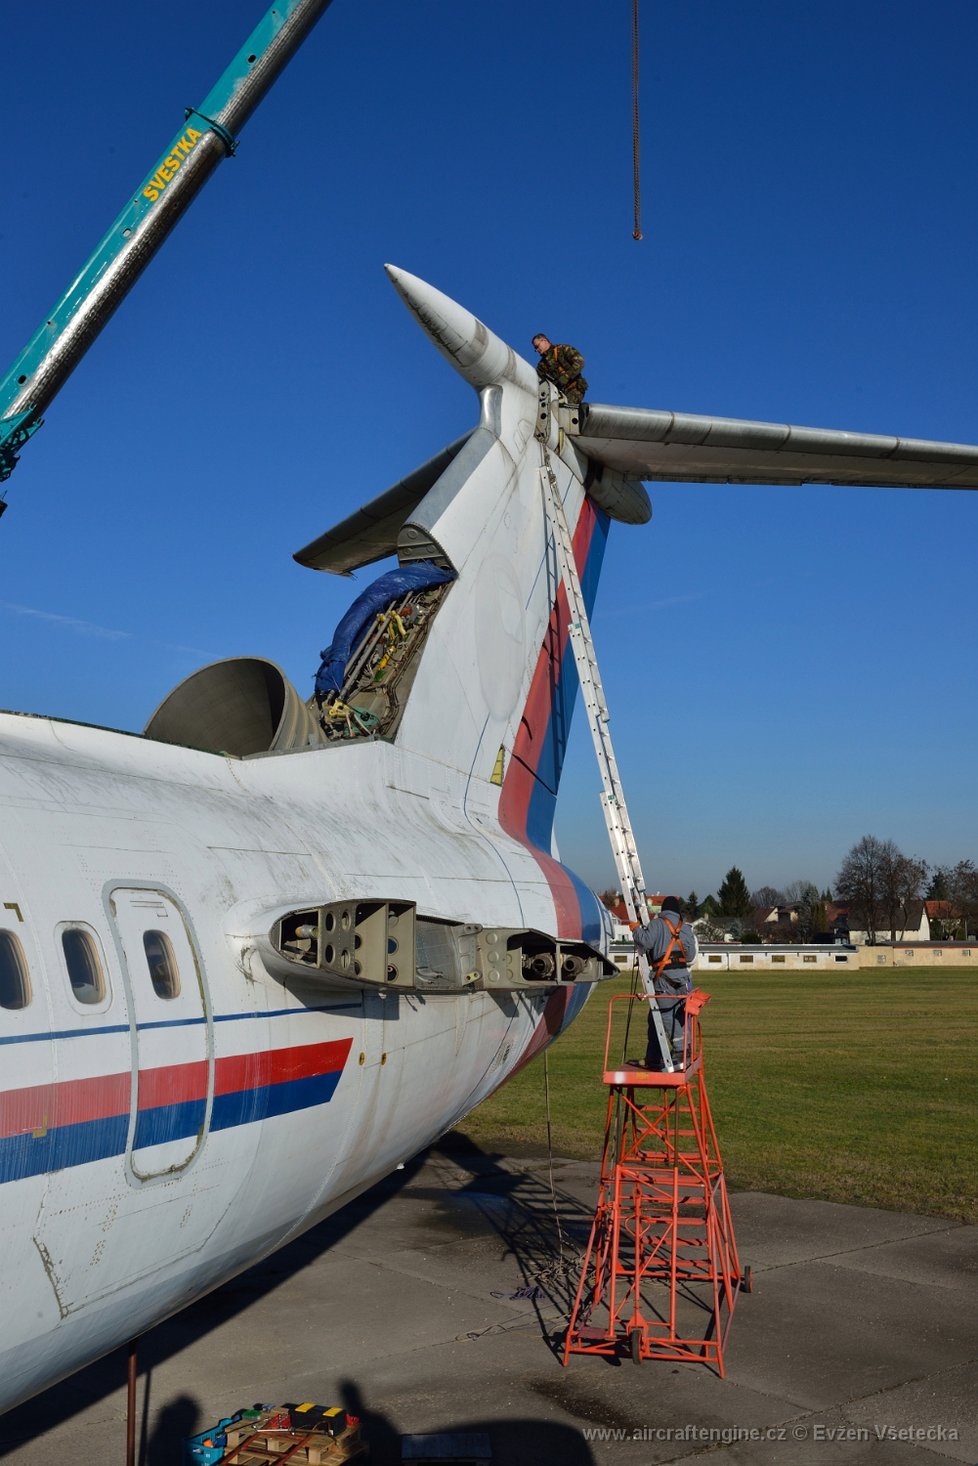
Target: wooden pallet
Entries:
(271, 1438)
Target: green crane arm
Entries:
(208, 136)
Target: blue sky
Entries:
(789, 669)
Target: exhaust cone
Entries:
(240, 706)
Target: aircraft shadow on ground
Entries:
(541, 1232)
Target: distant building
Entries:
(621, 930)
(837, 922)
(911, 925)
(945, 916)
(775, 923)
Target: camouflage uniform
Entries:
(562, 365)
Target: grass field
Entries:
(859, 1087)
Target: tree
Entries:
(905, 877)
(767, 896)
(962, 891)
(709, 930)
(733, 897)
(879, 884)
(859, 884)
(709, 906)
(692, 906)
(610, 898)
(939, 890)
(803, 895)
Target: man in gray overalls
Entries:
(669, 943)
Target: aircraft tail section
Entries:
(491, 685)
(495, 691)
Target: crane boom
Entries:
(209, 135)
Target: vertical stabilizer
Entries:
(495, 690)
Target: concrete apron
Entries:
(857, 1344)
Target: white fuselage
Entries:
(152, 1143)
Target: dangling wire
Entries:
(637, 230)
(628, 1014)
(561, 1240)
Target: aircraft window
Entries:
(162, 964)
(84, 967)
(15, 984)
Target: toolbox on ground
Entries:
(306, 1434)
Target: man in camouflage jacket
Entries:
(561, 365)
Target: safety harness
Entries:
(666, 960)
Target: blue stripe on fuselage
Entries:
(64, 1146)
(540, 812)
(169, 1122)
(244, 1106)
(97, 1140)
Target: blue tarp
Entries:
(377, 597)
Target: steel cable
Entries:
(637, 229)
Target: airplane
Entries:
(256, 957)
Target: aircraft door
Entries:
(172, 1027)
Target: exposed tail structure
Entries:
(494, 689)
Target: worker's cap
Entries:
(672, 903)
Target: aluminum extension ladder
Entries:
(613, 804)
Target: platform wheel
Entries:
(635, 1342)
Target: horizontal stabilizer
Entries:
(683, 447)
(371, 533)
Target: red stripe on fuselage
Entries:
(177, 1083)
(76, 1101)
(172, 1084)
(277, 1066)
(47, 1106)
(550, 1024)
(521, 775)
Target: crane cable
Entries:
(637, 229)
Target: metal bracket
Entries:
(549, 430)
(14, 433)
(573, 419)
(380, 944)
(230, 143)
